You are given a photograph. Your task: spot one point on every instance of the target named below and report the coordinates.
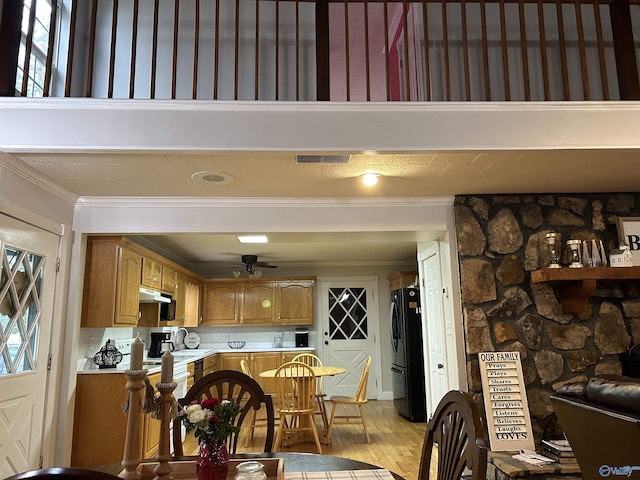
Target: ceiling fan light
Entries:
(252, 239)
(370, 179)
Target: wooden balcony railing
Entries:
(333, 50)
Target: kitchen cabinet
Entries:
(258, 302)
(151, 274)
(257, 362)
(221, 303)
(210, 364)
(295, 302)
(401, 279)
(192, 291)
(111, 284)
(150, 428)
(168, 284)
(191, 370)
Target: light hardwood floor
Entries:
(396, 443)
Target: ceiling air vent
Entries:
(339, 159)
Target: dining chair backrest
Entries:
(229, 385)
(361, 391)
(244, 366)
(295, 387)
(313, 361)
(55, 473)
(458, 432)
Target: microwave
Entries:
(168, 310)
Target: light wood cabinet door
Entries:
(169, 280)
(192, 302)
(257, 304)
(222, 303)
(111, 285)
(210, 364)
(151, 274)
(262, 361)
(180, 296)
(295, 302)
(128, 289)
(150, 428)
(231, 361)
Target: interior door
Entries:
(433, 322)
(27, 283)
(349, 330)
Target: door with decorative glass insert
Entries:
(349, 331)
(27, 282)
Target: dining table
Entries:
(318, 371)
(303, 466)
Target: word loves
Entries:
(505, 401)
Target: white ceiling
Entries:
(279, 175)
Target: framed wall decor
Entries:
(629, 232)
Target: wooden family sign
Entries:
(505, 402)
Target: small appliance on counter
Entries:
(160, 343)
(302, 337)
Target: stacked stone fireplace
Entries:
(501, 239)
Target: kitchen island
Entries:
(99, 421)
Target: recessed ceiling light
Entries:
(214, 178)
(253, 239)
(370, 179)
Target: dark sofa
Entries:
(601, 419)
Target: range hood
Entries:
(151, 296)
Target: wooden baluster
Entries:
(196, 50)
(112, 49)
(427, 68)
(50, 45)
(543, 51)
(583, 56)
(134, 45)
(524, 47)
(601, 58)
(465, 50)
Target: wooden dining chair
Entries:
(60, 473)
(229, 385)
(359, 399)
(314, 361)
(455, 440)
(254, 420)
(296, 404)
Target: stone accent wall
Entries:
(501, 239)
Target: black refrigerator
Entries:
(407, 365)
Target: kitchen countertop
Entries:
(182, 357)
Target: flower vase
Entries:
(213, 460)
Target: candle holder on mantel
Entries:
(574, 246)
(554, 261)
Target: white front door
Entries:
(349, 329)
(27, 282)
(433, 327)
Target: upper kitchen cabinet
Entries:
(295, 301)
(258, 302)
(151, 274)
(169, 280)
(187, 297)
(221, 303)
(111, 284)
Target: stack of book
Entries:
(558, 450)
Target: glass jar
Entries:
(251, 470)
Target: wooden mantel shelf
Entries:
(576, 285)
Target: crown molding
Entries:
(36, 178)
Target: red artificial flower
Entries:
(209, 403)
(213, 419)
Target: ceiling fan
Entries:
(250, 262)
